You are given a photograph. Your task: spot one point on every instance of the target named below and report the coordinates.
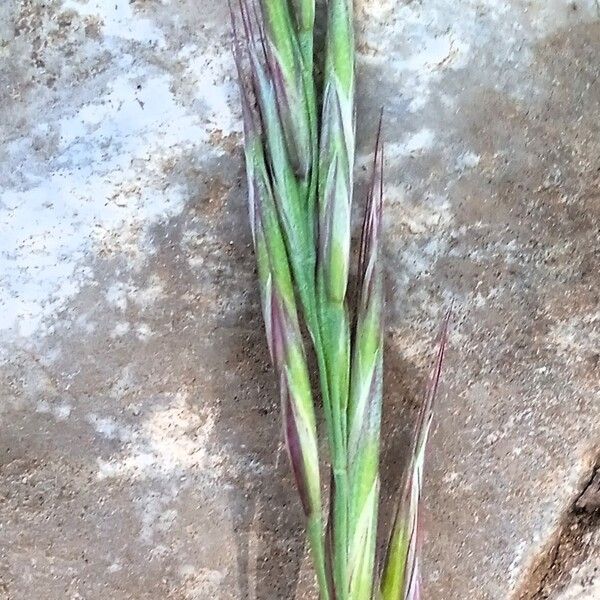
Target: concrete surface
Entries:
(139, 433)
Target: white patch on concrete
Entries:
(116, 295)
(167, 447)
(83, 322)
(105, 185)
(204, 583)
(52, 226)
(213, 71)
(115, 567)
(427, 41)
(413, 144)
(61, 411)
(168, 442)
(118, 20)
(514, 570)
(577, 337)
(433, 54)
(144, 332)
(417, 142)
(419, 217)
(108, 428)
(120, 329)
(147, 296)
(551, 15)
(467, 160)
(451, 477)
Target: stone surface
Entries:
(583, 580)
(139, 452)
(570, 568)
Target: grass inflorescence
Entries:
(299, 150)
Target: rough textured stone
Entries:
(571, 566)
(139, 453)
(585, 580)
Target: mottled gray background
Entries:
(139, 429)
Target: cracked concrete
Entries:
(139, 453)
(570, 566)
